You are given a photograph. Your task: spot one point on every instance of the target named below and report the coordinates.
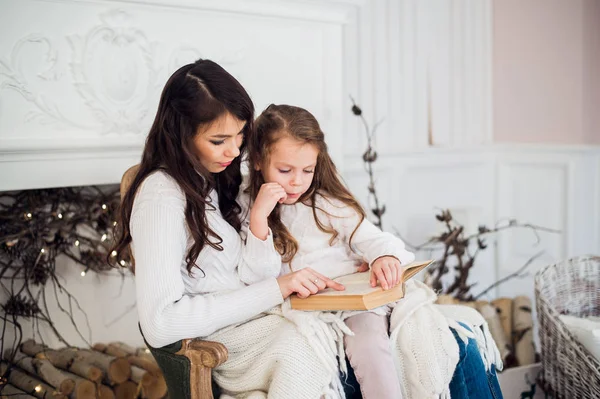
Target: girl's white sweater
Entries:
(314, 248)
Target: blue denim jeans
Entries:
(471, 380)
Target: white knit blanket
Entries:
(283, 354)
(293, 354)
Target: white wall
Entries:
(553, 187)
(423, 66)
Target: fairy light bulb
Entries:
(104, 237)
(83, 273)
(42, 250)
(122, 262)
(60, 216)
(113, 253)
(76, 243)
(104, 206)
(38, 388)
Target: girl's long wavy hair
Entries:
(276, 122)
(194, 97)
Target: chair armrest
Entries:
(203, 357)
(211, 353)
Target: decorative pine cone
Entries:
(21, 306)
(40, 274)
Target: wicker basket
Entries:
(570, 287)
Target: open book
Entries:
(358, 295)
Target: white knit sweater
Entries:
(173, 305)
(314, 249)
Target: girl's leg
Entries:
(471, 380)
(370, 355)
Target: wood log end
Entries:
(94, 374)
(126, 390)
(67, 386)
(153, 386)
(105, 392)
(119, 370)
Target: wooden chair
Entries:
(187, 364)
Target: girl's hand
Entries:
(363, 267)
(305, 282)
(387, 271)
(268, 196)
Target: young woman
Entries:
(182, 221)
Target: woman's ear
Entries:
(257, 166)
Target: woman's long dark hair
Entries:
(194, 96)
(276, 122)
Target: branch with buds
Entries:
(369, 157)
(460, 251)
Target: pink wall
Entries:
(591, 71)
(546, 62)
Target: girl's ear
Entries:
(257, 166)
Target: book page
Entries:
(356, 284)
(359, 283)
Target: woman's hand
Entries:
(387, 271)
(305, 282)
(268, 196)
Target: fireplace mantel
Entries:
(80, 80)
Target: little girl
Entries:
(300, 202)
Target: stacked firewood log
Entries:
(511, 325)
(107, 371)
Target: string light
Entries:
(115, 223)
(36, 245)
(38, 388)
(113, 253)
(122, 262)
